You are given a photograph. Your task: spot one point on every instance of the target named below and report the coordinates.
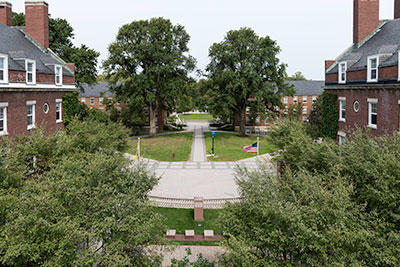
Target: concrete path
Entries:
(210, 253)
(199, 144)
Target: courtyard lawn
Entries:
(229, 147)
(196, 117)
(183, 219)
(161, 147)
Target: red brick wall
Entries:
(20, 76)
(17, 111)
(361, 75)
(5, 15)
(37, 23)
(388, 109)
(366, 18)
(396, 9)
(290, 102)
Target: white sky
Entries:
(308, 31)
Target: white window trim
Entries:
(372, 101)
(94, 101)
(61, 74)
(5, 57)
(340, 72)
(314, 99)
(295, 99)
(101, 100)
(369, 69)
(305, 110)
(30, 103)
(5, 106)
(341, 134)
(341, 99)
(33, 71)
(305, 99)
(59, 101)
(285, 100)
(83, 100)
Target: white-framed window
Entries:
(295, 99)
(101, 99)
(373, 64)
(342, 109)
(285, 100)
(3, 68)
(314, 99)
(342, 72)
(59, 117)
(83, 100)
(146, 111)
(342, 138)
(305, 99)
(92, 101)
(31, 114)
(258, 121)
(286, 110)
(119, 103)
(305, 119)
(119, 110)
(304, 110)
(372, 113)
(30, 67)
(248, 110)
(58, 74)
(3, 118)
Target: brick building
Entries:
(366, 77)
(307, 93)
(93, 97)
(33, 79)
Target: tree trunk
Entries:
(152, 120)
(160, 117)
(242, 123)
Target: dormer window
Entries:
(3, 68)
(30, 72)
(342, 72)
(58, 73)
(373, 63)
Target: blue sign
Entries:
(212, 133)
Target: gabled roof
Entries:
(384, 41)
(308, 87)
(98, 90)
(19, 46)
(302, 88)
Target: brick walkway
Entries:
(209, 252)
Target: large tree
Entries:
(61, 35)
(245, 72)
(70, 200)
(151, 58)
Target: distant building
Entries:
(94, 96)
(366, 77)
(33, 80)
(307, 93)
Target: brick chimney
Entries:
(6, 13)
(396, 9)
(366, 18)
(37, 21)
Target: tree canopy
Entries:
(61, 35)
(152, 59)
(245, 72)
(69, 200)
(331, 206)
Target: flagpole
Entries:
(258, 147)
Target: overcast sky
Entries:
(308, 31)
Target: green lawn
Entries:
(183, 219)
(196, 117)
(161, 147)
(229, 147)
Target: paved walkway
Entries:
(209, 252)
(198, 177)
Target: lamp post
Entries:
(212, 149)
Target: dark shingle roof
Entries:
(308, 87)
(302, 88)
(98, 90)
(15, 43)
(385, 41)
